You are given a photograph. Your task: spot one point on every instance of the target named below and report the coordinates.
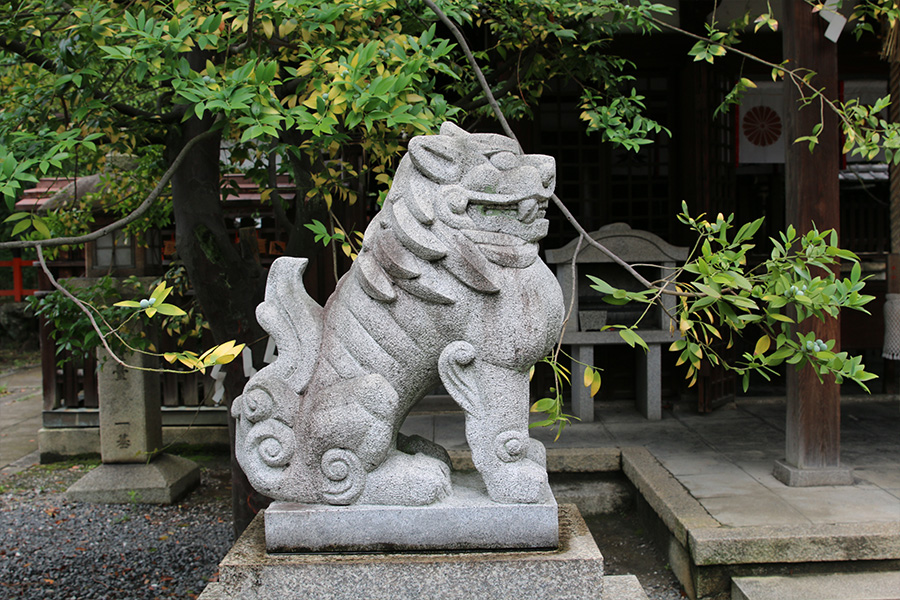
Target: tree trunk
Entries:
(228, 286)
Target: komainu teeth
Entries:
(528, 210)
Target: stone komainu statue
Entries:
(448, 288)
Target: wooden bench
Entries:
(656, 258)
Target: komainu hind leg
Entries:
(495, 400)
(407, 480)
(356, 427)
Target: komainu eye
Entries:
(504, 160)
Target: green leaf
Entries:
(15, 217)
(20, 227)
(128, 304)
(170, 310)
(601, 286)
(41, 228)
(544, 405)
(630, 337)
(762, 345)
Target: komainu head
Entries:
(463, 207)
(477, 182)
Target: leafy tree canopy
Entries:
(299, 78)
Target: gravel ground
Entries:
(53, 549)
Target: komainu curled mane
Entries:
(448, 288)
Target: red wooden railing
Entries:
(17, 292)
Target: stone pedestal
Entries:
(130, 442)
(573, 571)
(163, 480)
(466, 520)
(794, 476)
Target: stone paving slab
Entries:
(849, 586)
(715, 484)
(669, 499)
(20, 414)
(753, 510)
(844, 504)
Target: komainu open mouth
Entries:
(523, 219)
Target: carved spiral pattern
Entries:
(344, 476)
(463, 353)
(258, 405)
(510, 446)
(272, 442)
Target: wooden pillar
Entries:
(811, 178)
(891, 366)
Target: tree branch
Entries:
(31, 56)
(172, 116)
(799, 82)
(499, 114)
(133, 216)
(474, 64)
(251, 9)
(81, 306)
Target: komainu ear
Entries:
(437, 157)
(451, 130)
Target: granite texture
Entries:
(447, 288)
(466, 520)
(573, 572)
(622, 587)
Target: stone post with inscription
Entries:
(133, 469)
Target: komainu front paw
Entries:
(407, 480)
(522, 482)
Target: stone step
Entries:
(838, 586)
(615, 587)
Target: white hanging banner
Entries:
(761, 124)
(218, 376)
(247, 357)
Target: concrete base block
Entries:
(798, 477)
(59, 443)
(467, 520)
(572, 572)
(593, 497)
(162, 481)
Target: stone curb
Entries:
(804, 543)
(709, 543)
(677, 509)
(20, 465)
(559, 460)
